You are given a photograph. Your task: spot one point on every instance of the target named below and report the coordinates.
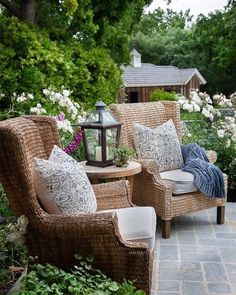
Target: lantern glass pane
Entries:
(93, 118)
(107, 118)
(111, 134)
(93, 139)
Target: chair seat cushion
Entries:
(182, 182)
(137, 224)
(62, 185)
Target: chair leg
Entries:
(165, 227)
(220, 214)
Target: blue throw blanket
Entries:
(208, 178)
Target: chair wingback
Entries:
(22, 139)
(150, 114)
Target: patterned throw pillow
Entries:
(161, 144)
(64, 181)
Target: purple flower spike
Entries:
(77, 139)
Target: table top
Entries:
(112, 171)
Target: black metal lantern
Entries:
(101, 134)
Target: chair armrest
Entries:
(71, 226)
(212, 156)
(112, 195)
(150, 190)
(150, 165)
(152, 168)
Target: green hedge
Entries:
(30, 62)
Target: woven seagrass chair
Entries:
(57, 238)
(148, 187)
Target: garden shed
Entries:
(140, 79)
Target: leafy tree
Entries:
(163, 38)
(30, 62)
(161, 21)
(214, 49)
(71, 43)
(167, 38)
(105, 24)
(171, 48)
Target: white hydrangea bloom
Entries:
(221, 133)
(46, 92)
(216, 97)
(222, 101)
(205, 98)
(66, 93)
(30, 96)
(21, 98)
(205, 112)
(196, 107)
(188, 107)
(65, 125)
(181, 101)
(194, 97)
(38, 110)
(211, 117)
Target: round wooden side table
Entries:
(97, 173)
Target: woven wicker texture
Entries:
(148, 188)
(57, 238)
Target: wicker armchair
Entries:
(148, 187)
(57, 238)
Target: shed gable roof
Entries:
(152, 75)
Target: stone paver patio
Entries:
(200, 256)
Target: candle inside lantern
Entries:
(98, 153)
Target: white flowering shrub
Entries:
(210, 112)
(213, 131)
(51, 103)
(66, 112)
(233, 98)
(221, 101)
(201, 102)
(226, 128)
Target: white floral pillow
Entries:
(161, 144)
(64, 181)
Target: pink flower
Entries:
(60, 117)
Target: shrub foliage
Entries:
(30, 62)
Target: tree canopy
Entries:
(106, 24)
(209, 44)
(70, 43)
(85, 29)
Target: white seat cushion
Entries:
(182, 182)
(137, 224)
